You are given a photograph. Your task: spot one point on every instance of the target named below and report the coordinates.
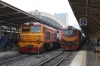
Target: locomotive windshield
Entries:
(69, 33)
(35, 28)
(25, 28)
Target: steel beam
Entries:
(82, 12)
(9, 13)
(14, 19)
(95, 24)
(83, 5)
(8, 23)
(96, 19)
(96, 11)
(94, 30)
(2, 6)
(87, 4)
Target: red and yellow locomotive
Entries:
(72, 38)
(36, 37)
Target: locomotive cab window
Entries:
(72, 32)
(35, 28)
(25, 28)
(69, 33)
(65, 32)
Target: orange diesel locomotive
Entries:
(71, 39)
(36, 37)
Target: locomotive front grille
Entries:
(69, 44)
(30, 46)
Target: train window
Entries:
(69, 32)
(35, 28)
(65, 32)
(25, 28)
(55, 36)
(48, 35)
(72, 32)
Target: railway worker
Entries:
(98, 41)
(98, 44)
(4, 42)
(87, 40)
(58, 36)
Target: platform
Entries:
(86, 57)
(9, 52)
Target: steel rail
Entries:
(62, 60)
(12, 59)
(41, 64)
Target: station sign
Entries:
(83, 21)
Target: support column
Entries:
(0, 31)
(10, 37)
(18, 33)
(0, 37)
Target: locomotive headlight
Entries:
(23, 38)
(37, 39)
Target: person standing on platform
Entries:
(98, 44)
(58, 36)
(4, 42)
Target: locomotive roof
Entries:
(36, 24)
(71, 27)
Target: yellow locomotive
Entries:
(36, 37)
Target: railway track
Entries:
(56, 60)
(63, 59)
(25, 59)
(14, 58)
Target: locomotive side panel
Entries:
(50, 35)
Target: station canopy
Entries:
(89, 9)
(12, 16)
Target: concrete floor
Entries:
(86, 57)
